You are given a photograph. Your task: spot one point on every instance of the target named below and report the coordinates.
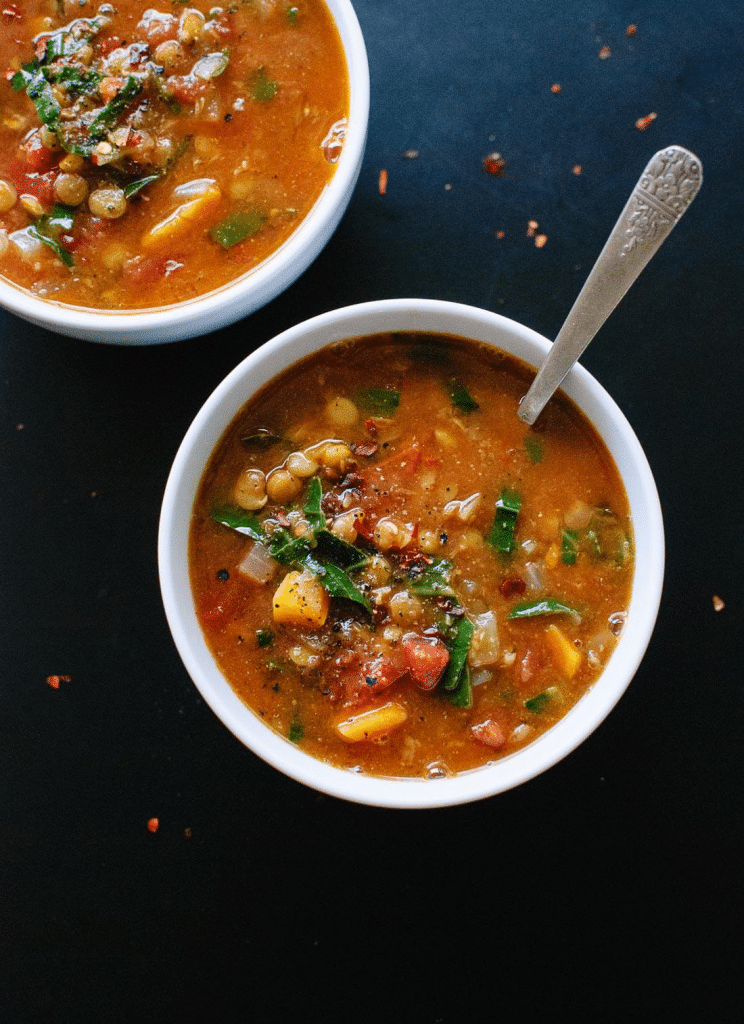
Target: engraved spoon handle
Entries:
(664, 191)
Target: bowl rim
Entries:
(255, 288)
(435, 316)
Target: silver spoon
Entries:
(666, 188)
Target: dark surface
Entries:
(611, 884)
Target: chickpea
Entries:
(250, 490)
(169, 54)
(389, 533)
(301, 465)
(405, 608)
(191, 26)
(343, 525)
(71, 163)
(31, 205)
(71, 189)
(282, 486)
(8, 196)
(341, 412)
(108, 203)
(49, 139)
(332, 454)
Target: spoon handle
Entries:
(666, 188)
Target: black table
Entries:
(613, 882)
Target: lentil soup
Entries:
(151, 155)
(398, 575)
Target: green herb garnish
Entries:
(264, 637)
(296, 732)
(434, 581)
(239, 520)
(136, 186)
(458, 648)
(540, 701)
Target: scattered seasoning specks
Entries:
(643, 122)
(532, 227)
(540, 241)
(555, 87)
(54, 681)
(577, 169)
(382, 181)
(410, 154)
(494, 163)
(631, 30)
(605, 52)
(153, 824)
(718, 604)
(500, 233)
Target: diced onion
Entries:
(484, 647)
(257, 564)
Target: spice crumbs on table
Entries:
(382, 182)
(643, 122)
(631, 30)
(153, 824)
(540, 241)
(532, 227)
(605, 52)
(410, 154)
(55, 680)
(577, 169)
(494, 163)
(500, 233)
(718, 604)
(555, 87)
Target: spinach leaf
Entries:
(313, 512)
(240, 520)
(262, 89)
(48, 228)
(379, 401)
(534, 449)
(462, 695)
(108, 115)
(540, 701)
(569, 546)
(434, 581)
(461, 397)
(458, 648)
(501, 534)
(136, 186)
(547, 606)
(237, 226)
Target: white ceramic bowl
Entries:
(205, 432)
(231, 302)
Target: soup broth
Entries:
(151, 154)
(398, 575)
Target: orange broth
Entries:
(490, 563)
(150, 155)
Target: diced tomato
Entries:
(361, 682)
(511, 586)
(144, 270)
(39, 185)
(37, 156)
(184, 88)
(11, 13)
(219, 608)
(489, 733)
(425, 658)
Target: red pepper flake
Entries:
(577, 169)
(382, 182)
(540, 241)
(54, 681)
(500, 233)
(494, 163)
(153, 824)
(555, 87)
(605, 52)
(11, 13)
(410, 154)
(718, 604)
(511, 586)
(631, 30)
(366, 449)
(371, 427)
(643, 122)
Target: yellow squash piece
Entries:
(372, 724)
(200, 199)
(301, 600)
(566, 656)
